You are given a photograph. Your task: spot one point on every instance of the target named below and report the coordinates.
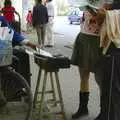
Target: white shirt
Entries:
(50, 8)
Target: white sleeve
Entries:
(24, 42)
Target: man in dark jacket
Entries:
(40, 19)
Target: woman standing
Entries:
(86, 55)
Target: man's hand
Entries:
(33, 45)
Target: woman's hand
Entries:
(33, 45)
(100, 15)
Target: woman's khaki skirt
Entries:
(86, 52)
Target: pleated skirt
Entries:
(86, 51)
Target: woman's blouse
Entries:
(90, 25)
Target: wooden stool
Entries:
(48, 68)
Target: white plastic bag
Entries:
(6, 33)
(6, 36)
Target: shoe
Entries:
(99, 117)
(80, 113)
(48, 46)
(83, 106)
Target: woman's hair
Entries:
(7, 3)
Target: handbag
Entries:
(6, 36)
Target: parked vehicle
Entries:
(75, 16)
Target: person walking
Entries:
(29, 21)
(49, 30)
(86, 55)
(40, 19)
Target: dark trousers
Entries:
(110, 99)
(40, 29)
(22, 66)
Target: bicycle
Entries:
(14, 92)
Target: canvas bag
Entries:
(6, 36)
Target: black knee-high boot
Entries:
(83, 105)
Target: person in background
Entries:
(49, 29)
(29, 21)
(86, 55)
(8, 11)
(40, 19)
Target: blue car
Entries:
(75, 16)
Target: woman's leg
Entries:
(84, 77)
(84, 94)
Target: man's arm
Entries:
(22, 40)
(17, 37)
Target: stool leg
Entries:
(60, 95)
(37, 88)
(53, 88)
(42, 95)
